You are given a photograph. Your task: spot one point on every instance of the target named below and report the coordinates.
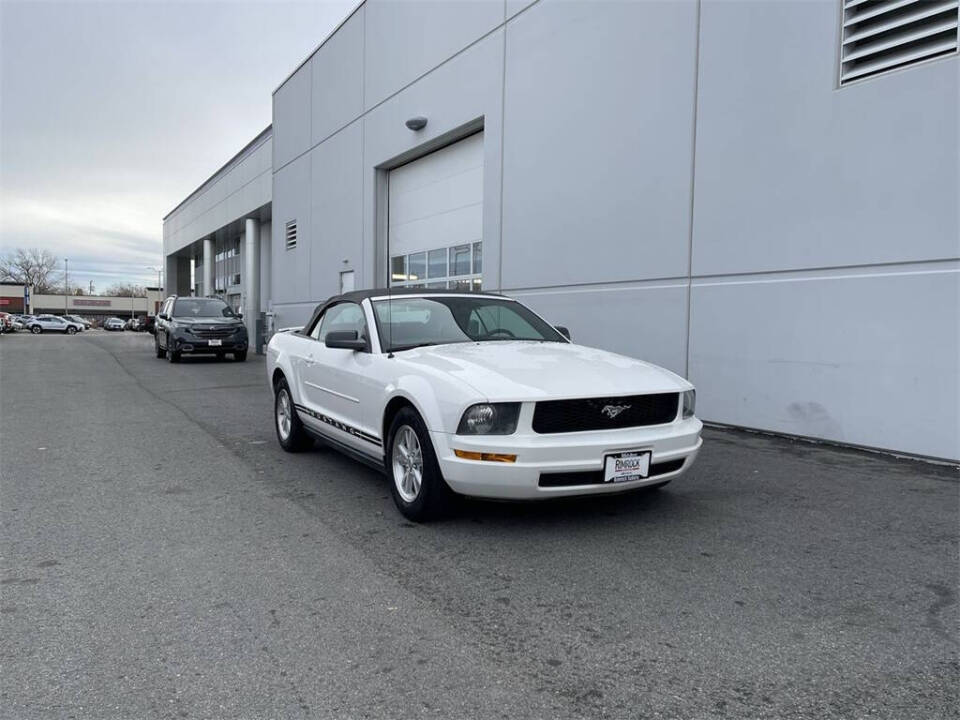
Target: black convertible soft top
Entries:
(360, 295)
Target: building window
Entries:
(291, 234)
(459, 267)
(880, 36)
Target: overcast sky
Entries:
(112, 112)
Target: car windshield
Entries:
(409, 322)
(201, 308)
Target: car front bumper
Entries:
(673, 448)
(190, 345)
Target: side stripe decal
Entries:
(343, 427)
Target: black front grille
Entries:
(595, 477)
(562, 416)
(214, 332)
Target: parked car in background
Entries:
(19, 321)
(86, 324)
(476, 394)
(52, 323)
(113, 324)
(199, 325)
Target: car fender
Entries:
(278, 358)
(440, 401)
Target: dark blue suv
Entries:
(199, 326)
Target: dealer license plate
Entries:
(216, 343)
(627, 466)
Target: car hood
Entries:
(517, 370)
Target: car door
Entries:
(336, 381)
(163, 323)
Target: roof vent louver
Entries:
(291, 235)
(883, 35)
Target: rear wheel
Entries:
(290, 431)
(417, 486)
(71, 330)
(36, 329)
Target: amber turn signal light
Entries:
(486, 457)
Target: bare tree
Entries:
(32, 266)
(126, 290)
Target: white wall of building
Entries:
(681, 181)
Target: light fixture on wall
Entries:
(416, 123)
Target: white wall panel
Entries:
(598, 142)
(515, 6)
(794, 173)
(869, 358)
(337, 78)
(337, 205)
(406, 39)
(292, 201)
(291, 118)
(646, 321)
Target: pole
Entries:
(66, 284)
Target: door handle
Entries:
(309, 359)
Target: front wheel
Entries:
(290, 431)
(71, 330)
(172, 356)
(36, 329)
(417, 486)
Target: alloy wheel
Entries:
(284, 413)
(407, 463)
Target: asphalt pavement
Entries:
(162, 557)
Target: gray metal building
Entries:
(761, 196)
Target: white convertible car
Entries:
(476, 394)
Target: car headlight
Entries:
(689, 404)
(489, 419)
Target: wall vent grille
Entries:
(883, 35)
(291, 235)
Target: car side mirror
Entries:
(345, 340)
(563, 331)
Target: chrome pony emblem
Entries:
(611, 411)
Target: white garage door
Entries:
(435, 222)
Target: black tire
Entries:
(172, 356)
(160, 351)
(434, 497)
(296, 439)
(36, 329)
(71, 330)
(240, 356)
